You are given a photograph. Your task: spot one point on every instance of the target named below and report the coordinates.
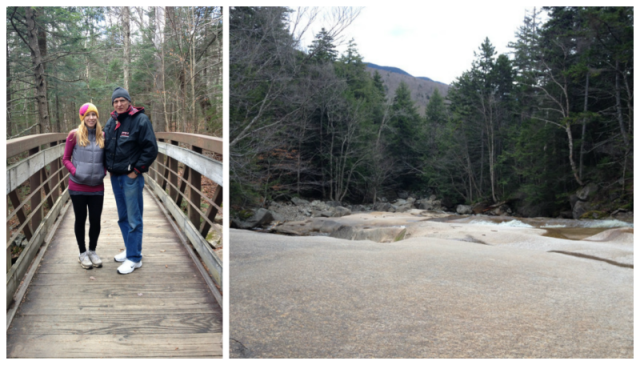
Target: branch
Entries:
(205, 48)
(59, 79)
(16, 135)
(548, 121)
(17, 31)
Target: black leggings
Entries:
(80, 204)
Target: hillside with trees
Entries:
(421, 88)
(539, 128)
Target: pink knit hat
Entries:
(86, 108)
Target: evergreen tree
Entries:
(322, 48)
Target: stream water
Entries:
(558, 228)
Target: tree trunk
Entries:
(584, 122)
(192, 68)
(573, 164)
(39, 72)
(127, 44)
(221, 66)
(619, 108)
(159, 121)
(8, 93)
(58, 113)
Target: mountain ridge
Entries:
(421, 87)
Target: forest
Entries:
(532, 126)
(168, 58)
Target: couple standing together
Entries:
(126, 148)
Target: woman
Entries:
(83, 157)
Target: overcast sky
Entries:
(436, 41)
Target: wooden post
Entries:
(212, 211)
(160, 161)
(194, 195)
(54, 166)
(47, 188)
(34, 183)
(15, 201)
(173, 166)
(183, 184)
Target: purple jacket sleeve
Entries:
(68, 152)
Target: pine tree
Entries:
(322, 48)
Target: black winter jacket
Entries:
(129, 144)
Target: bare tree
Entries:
(8, 92)
(126, 30)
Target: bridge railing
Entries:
(45, 172)
(198, 160)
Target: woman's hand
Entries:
(132, 175)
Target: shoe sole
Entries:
(97, 265)
(86, 267)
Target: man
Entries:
(129, 149)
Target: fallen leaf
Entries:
(162, 250)
(92, 278)
(176, 348)
(166, 265)
(139, 294)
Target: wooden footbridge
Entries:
(171, 307)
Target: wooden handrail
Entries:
(23, 170)
(208, 167)
(23, 144)
(208, 143)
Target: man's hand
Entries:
(132, 175)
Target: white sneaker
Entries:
(120, 257)
(95, 259)
(128, 266)
(85, 262)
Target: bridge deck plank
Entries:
(163, 309)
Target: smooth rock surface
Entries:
(445, 291)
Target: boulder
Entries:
(580, 208)
(20, 240)
(382, 207)
(429, 204)
(341, 212)
(403, 208)
(333, 203)
(403, 195)
(260, 217)
(299, 202)
(464, 209)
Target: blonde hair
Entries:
(82, 134)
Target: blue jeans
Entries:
(128, 193)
